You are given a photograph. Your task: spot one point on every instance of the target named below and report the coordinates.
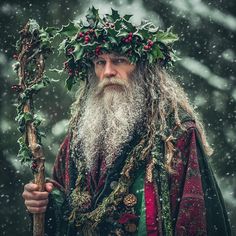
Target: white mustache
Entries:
(111, 81)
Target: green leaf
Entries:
(122, 34)
(28, 117)
(115, 15)
(156, 52)
(146, 25)
(127, 17)
(68, 30)
(33, 26)
(111, 32)
(139, 34)
(70, 82)
(167, 37)
(143, 33)
(62, 46)
(129, 26)
(92, 15)
(24, 153)
(38, 86)
(52, 31)
(112, 40)
(78, 52)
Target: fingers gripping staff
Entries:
(32, 48)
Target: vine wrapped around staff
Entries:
(32, 49)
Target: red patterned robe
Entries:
(196, 204)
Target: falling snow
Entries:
(207, 72)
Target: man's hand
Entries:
(36, 201)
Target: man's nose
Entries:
(109, 70)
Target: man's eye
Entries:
(100, 62)
(120, 61)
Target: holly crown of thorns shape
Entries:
(113, 33)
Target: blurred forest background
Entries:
(207, 46)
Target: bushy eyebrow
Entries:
(112, 56)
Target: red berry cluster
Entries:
(70, 70)
(98, 50)
(86, 36)
(66, 67)
(149, 45)
(129, 38)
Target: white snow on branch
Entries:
(200, 8)
(204, 72)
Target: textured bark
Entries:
(28, 53)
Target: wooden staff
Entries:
(30, 70)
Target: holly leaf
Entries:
(128, 26)
(127, 17)
(113, 40)
(156, 52)
(92, 15)
(62, 46)
(68, 30)
(143, 34)
(70, 82)
(115, 15)
(111, 31)
(122, 34)
(78, 52)
(167, 37)
(51, 30)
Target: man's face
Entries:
(109, 66)
(115, 104)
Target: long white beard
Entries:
(109, 119)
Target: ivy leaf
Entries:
(24, 153)
(37, 120)
(68, 30)
(28, 117)
(38, 86)
(33, 26)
